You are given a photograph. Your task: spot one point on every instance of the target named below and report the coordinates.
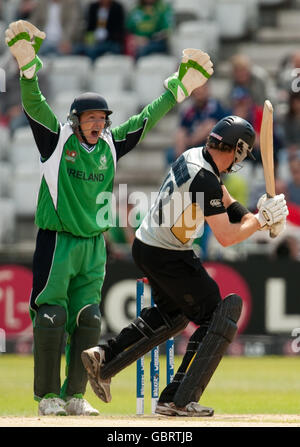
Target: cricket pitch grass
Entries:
(245, 392)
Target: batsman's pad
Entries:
(220, 334)
(149, 338)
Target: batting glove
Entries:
(24, 41)
(272, 210)
(194, 71)
(276, 228)
(261, 200)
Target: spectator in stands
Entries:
(291, 122)
(287, 245)
(149, 25)
(25, 9)
(196, 121)
(288, 76)
(62, 22)
(243, 105)
(105, 29)
(293, 185)
(246, 75)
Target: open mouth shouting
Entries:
(92, 124)
(95, 134)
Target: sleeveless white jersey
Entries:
(191, 191)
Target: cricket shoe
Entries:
(191, 409)
(77, 406)
(52, 406)
(92, 360)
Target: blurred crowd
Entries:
(95, 28)
(89, 28)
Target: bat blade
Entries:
(266, 148)
(267, 151)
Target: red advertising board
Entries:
(15, 288)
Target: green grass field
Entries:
(241, 385)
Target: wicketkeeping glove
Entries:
(194, 71)
(271, 211)
(24, 41)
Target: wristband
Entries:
(236, 211)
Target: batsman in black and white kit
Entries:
(183, 291)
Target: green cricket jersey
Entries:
(76, 179)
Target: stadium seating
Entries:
(7, 220)
(111, 73)
(232, 18)
(2, 41)
(289, 18)
(220, 88)
(195, 34)
(123, 104)
(200, 9)
(25, 190)
(272, 2)
(23, 149)
(150, 73)
(8, 10)
(141, 167)
(128, 4)
(61, 104)
(4, 143)
(253, 18)
(6, 179)
(268, 55)
(68, 73)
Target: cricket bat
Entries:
(267, 151)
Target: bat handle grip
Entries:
(271, 233)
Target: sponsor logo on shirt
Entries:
(103, 162)
(71, 156)
(216, 203)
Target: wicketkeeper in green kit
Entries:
(78, 163)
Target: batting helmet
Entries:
(84, 102)
(237, 133)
